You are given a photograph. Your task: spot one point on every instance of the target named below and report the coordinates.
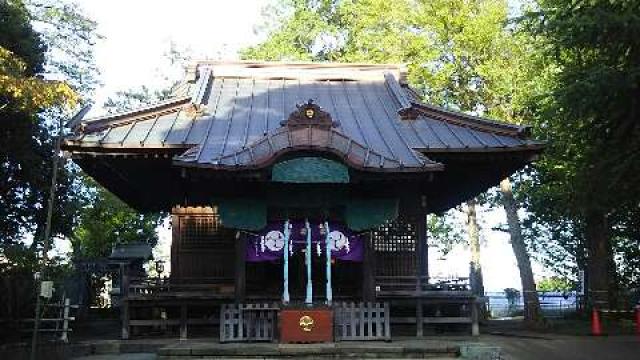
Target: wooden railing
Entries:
(412, 286)
(437, 301)
(56, 319)
(164, 293)
(140, 287)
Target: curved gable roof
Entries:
(233, 109)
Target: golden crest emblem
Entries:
(309, 113)
(306, 323)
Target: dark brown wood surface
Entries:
(201, 248)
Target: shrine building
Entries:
(297, 191)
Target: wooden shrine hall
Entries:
(298, 195)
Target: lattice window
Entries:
(395, 236)
(202, 248)
(394, 244)
(204, 232)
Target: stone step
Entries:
(353, 356)
(356, 350)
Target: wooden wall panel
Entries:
(201, 250)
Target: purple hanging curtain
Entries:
(268, 244)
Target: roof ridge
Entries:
(315, 64)
(109, 119)
(296, 70)
(471, 121)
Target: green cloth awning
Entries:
(246, 214)
(364, 214)
(310, 170)
(296, 190)
(359, 214)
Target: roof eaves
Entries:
(472, 122)
(112, 119)
(533, 146)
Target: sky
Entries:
(137, 35)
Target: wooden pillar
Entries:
(176, 242)
(65, 321)
(369, 270)
(422, 247)
(419, 318)
(240, 264)
(124, 301)
(421, 273)
(183, 321)
(475, 327)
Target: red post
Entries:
(596, 328)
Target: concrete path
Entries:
(554, 347)
(533, 347)
(131, 356)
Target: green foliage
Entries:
(554, 284)
(589, 114)
(105, 221)
(29, 118)
(25, 140)
(70, 37)
(304, 24)
(18, 36)
(134, 98)
(460, 54)
(443, 232)
(21, 60)
(591, 111)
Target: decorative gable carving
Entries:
(310, 114)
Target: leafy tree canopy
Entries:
(555, 284)
(589, 114)
(105, 221)
(22, 60)
(30, 109)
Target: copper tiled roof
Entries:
(233, 112)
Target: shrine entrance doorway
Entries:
(264, 279)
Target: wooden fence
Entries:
(248, 322)
(362, 321)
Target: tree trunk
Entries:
(532, 313)
(477, 284)
(599, 260)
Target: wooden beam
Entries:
(432, 320)
(421, 246)
(124, 301)
(240, 265)
(475, 327)
(175, 243)
(369, 271)
(183, 321)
